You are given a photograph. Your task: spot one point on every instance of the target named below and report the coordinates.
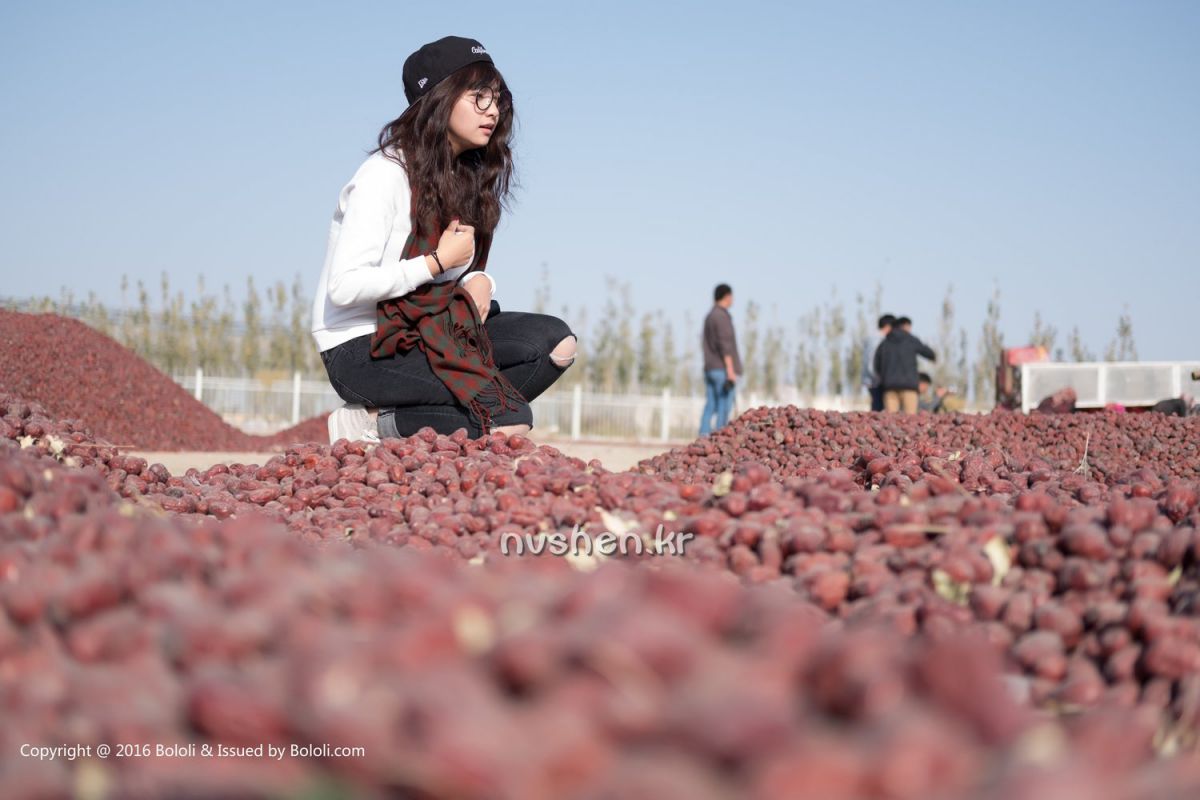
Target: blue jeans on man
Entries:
(717, 400)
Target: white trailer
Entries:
(1133, 384)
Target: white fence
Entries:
(1130, 383)
(267, 406)
(261, 406)
(575, 413)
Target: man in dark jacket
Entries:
(896, 366)
(870, 380)
(722, 365)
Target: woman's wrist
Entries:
(433, 254)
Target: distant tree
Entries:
(648, 358)
(125, 332)
(961, 377)
(98, 316)
(603, 361)
(203, 314)
(947, 354)
(164, 335)
(143, 337)
(748, 343)
(1122, 348)
(817, 354)
(541, 295)
(774, 360)
(669, 356)
(174, 349)
(187, 350)
(991, 346)
(579, 371)
(251, 346)
(280, 347)
(305, 356)
(1079, 351)
(66, 302)
(807, 361)
(835, 332)
(854, 352)
(800, 376)
(877, 301)
(1043, 334)
(226, 343)
(688, 369)
(626, 349)
(603, 365)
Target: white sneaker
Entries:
(352, 422)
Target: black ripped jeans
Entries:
(521, 345)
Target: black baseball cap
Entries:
(436, 61)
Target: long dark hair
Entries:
(473, 187)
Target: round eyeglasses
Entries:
(487, 95)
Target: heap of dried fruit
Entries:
(122, 625)
(144, 410)
(873, 607)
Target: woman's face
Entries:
(471, 128)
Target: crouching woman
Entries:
(404, 315)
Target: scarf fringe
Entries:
(471, 340)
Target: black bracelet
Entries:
(437, 261)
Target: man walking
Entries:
(870, 378)
(896, 366)
(722, 365)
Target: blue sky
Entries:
(790, 149)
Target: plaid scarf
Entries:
(442, 320)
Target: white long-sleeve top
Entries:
(362, 260)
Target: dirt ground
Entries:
(615, 456)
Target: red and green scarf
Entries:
(442, 320)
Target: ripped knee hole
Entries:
(564, 354)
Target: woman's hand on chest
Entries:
(456, 247)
